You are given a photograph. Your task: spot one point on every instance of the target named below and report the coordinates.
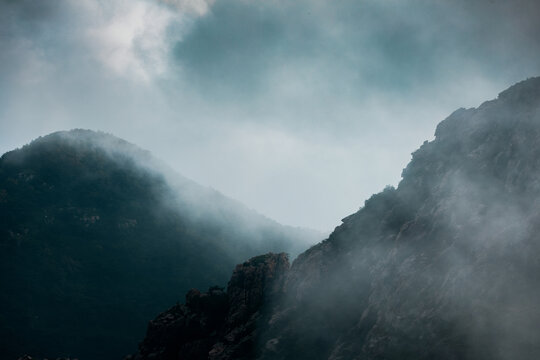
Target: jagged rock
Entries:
(214, 324)
(189, 329)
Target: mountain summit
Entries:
(445, 266)
(96, 237)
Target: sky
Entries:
(300, 109)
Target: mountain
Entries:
(445, 266)
(96, 237)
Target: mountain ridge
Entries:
(442, 267)
(95, 230)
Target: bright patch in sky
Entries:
(131, 39)
(300, 109)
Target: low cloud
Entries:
(365, 79)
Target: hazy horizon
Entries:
(300, 110)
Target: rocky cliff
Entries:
(217, 324)
(445, 266)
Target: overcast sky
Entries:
(301, 109)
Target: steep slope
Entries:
(96, 237)
(445, 266)
(218, 324)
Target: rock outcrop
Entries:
(215, 324)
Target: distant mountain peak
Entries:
(97, 236)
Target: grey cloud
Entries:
(387, 45)
(29, 11)
(348, 87)
(238, 43)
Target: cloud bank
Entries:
(300, 109)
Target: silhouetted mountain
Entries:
(445, 266)
(96, 237)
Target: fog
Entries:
(300, 110)
(441, 267)
(97, 230)
(241, 230)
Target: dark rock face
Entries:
(443, 267)
(190, 329)
(217, 325)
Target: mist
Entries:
(255, 114)
(441, 266)
(202, 206)
(95, 230)
(299, 110)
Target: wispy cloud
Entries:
(131, 39)
(365, 79)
